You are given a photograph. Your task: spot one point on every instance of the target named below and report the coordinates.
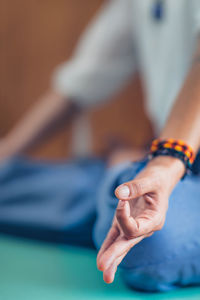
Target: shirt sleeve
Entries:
(103, 60)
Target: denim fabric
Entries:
(54, 202)
(169, 258)
(60, 203)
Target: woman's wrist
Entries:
(172, 168)
(175, 149)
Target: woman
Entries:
(158, 38)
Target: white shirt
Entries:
(125, 37)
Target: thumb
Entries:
(134, 189)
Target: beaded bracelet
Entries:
(174, 148)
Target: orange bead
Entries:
(171, 140)
(191, 159)
(178, 148)
(180, 142)
(188, 153)
(167, 145)
(155, 142)
(154, 148)
(190, 148)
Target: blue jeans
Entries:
(73, 202)
(169, 258)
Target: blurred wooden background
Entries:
(35, 36)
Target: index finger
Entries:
(125, 220)
(110, 238)
(119, 248)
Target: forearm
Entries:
(42, 120)
(184, 120)
(183, 124)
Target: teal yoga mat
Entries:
(32, 270)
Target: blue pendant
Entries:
(158, 10)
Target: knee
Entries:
(165, 276)
(147, 271)
(148, 278)
(143, 270)
(161, 263)
(149, 265)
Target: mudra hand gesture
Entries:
(141, 211)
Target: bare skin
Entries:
(50, 112)
(143, 211)
(143, 202)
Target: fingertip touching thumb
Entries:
(122, 192)
(132, 189)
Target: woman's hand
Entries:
(140, 212)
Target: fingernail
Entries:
(121, 204)
(123, 191)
